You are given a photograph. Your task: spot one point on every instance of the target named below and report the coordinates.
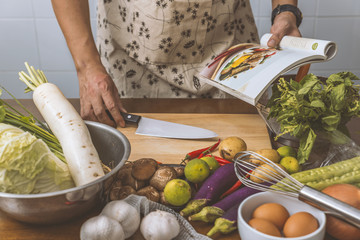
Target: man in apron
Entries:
(156, 48)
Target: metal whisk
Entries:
(258, 172)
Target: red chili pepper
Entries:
(209, 149)
(232, 189)
(196, 153)
(221, 160)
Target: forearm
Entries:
(74, 20)
(281, 2)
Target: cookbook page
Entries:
(327, 49)
(247, 74)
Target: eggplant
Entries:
(211, 213)
(227, 223)
(213, 187)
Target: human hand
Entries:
(98, 94)
(284, 24)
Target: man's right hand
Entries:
(98, 93)
(99, 97)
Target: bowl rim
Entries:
(77, 188)
(263, 195)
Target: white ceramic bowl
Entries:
(293, 205)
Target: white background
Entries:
(29, 32)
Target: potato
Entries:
(230, 146)
(265, 172)
(270, 154)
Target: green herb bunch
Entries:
(306, 108)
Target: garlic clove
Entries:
(159, 225)
(124, 213)
(101, 227)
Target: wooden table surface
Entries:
(225, 117)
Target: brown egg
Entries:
(300, 224)
(265, 226)
(273, 212)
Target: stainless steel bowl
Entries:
(55, 207)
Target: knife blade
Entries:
(159, 128)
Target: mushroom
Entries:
(114, 193)
(117, 183)
(144, 168)
(125, 191)
(179, 171)
(150, 193)
(162, 199)
(126, 178)
(162, 176)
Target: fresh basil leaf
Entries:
(335, 79)
(306, 145)
(337, 96)
(317, 103)
(308, 83)
(330, 123)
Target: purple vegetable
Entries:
(215, 185)
(235, 198)
(211, 213)
(226, 223)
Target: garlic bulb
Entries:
(100, 228)
(159, 225)
(127, 215)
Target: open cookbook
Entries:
(247, 70)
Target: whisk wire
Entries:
(258, 172)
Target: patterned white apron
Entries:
(155, 48)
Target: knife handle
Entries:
(131, 118)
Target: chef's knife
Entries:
(159, 128)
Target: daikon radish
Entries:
(67, 125)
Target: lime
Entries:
(211, 161)
(196, 170)
(177, 192)
(285, 151)
(291, 164)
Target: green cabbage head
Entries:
(28, 166)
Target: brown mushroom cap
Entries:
(144, 168)
(179, 171)
(125, 176)
(114, 193)
(162, 199)
(150, 193)
(119, 193)
(162, 176)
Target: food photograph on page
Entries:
(179, 120)
(245, 61)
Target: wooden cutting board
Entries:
(250, 127)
